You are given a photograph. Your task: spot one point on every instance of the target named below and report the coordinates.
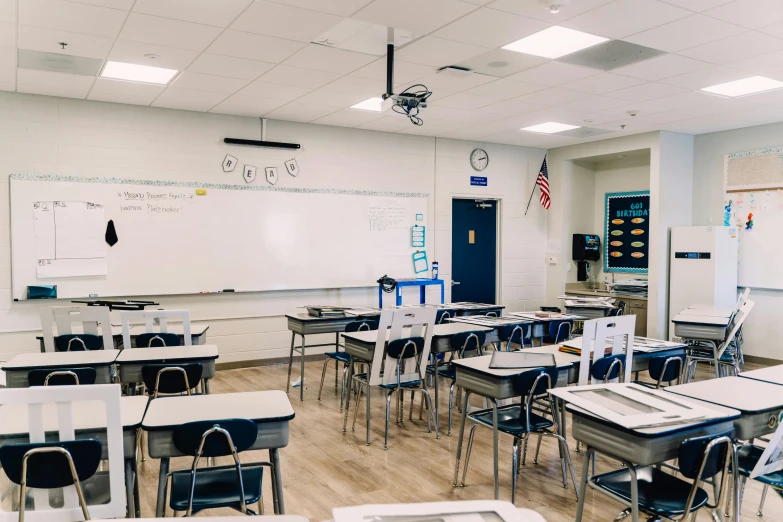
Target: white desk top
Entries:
(772, 374)
(439, 330)
(709, 310)
(86, 415)
(561, 358)
(481, 365)
(262, 406)
(701, 319)
(176, 328)
(532, 317)
(745, 395)
(55, 359)
(168, 353)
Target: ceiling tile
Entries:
(171, 33)
(188, 99)
(344, 92)
(283, 21)
(253, 46)
(554, 73)
(207, 12)
(7, 34)
(349, 118)
(229, 66)
(328, 59)
(752, 14)
(403, 71)
(509, 108)
(46, 40)
(242, 105)
(437, 52)
(502, 63)
(454, 84)
(551, 96)
(505, 89)
(275, 91)
(602, 83)
(166, 57)
(124, 92)
(72, 17)
(7, 57)
(647, 91)
(490, 28)
(684, 33)
(594, 103)
(705, 77)
(663, 66)
(687, 100)
(697, 5)
(775, 30)
(735, 48)
(432, 128)
(414, 15)
(53, 84)
(765, 64)
(125, 5)
(465, 101)
(335, 7)
(623, 18)
(534, 9)
(8, 11)
(392, 123)
(208, 82)
(285, 75)
(304, 112)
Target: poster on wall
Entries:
(627, 232)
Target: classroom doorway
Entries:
(474, 246)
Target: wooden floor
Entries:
(325, 468)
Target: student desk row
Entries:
(198, 334)
(129, 361)
(270, 410)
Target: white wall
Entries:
(763, 329)
(45, 135)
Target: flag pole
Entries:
(534, 188)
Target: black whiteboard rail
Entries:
(257, 143)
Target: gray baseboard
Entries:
(265, 362)
(762, 360)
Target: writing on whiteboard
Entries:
(387, 217)
(157, 201)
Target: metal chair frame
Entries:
(462, 350)
(521, 330)
(58, 373)
(363, 327)
(70, 342)
(171, 369)
(679, 361)
(74, 475)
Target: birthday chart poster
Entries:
(627, 232)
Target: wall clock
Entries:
(479, 159)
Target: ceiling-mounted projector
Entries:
(410, 101)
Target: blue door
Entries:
(473, 250)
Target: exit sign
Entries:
(478, 181)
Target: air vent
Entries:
(455, 71)
(62, 63)
(611, 55)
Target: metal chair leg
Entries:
(357, 396)
(388, 414)
(426, 397)
(451, 406)
(467, 454)
(760, 512)
(524, 451)
(342, 388)
(323, 375)
(538, 447)
(514, 465)
(567, 452)
(413, 401)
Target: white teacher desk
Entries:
(16, 369)
(270, 410)
(89, 423)
(131, 361)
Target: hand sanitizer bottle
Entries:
(434, 270)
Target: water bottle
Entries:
(434, 270)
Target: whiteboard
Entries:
(241, 237)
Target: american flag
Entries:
(543, 183)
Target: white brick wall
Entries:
(74, 137)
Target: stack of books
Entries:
(629, 287)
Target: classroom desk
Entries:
(771, 374)
(16, 369)
(116, 334)
(642, 446)
(475, 376)
(707, 328)
(304, 324)
(480, 320)
(198, 333)
(539, 322)
(361, 346)
(709, 310)
(270, 410)
(466, 308)
(89, 423)
(131, 360)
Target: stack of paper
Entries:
(573, 301)
(629, 286)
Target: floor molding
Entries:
(235, 365)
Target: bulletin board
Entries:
(627, 232)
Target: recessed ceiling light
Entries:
(373, 104)
(555, 42)
(752, 85)
(550, 127)
(137, 73)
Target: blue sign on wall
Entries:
(478, 181)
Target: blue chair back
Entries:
(405, 348)
(557, 333)
(151, 340)
(515, 333)
(171, 381)
(524, 382)
(187, 437)
(442, 314)
(84, 375)
(693, 451)
(470, 341)
(77, 342)
(662, 371)
(601, 368)
(51, 469)
(358, 326)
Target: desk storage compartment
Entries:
(18, 378)
(270, 435)
(132, 372)
(699, 331)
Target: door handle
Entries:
(454, 283)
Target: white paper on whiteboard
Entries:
(80, 230)
(51, 268)
(43, 214)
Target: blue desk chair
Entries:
(519, 421)
(342, 357)
(663, 495)
(152, 340)
(61, 377)
(235, 486)
(560, 331)
(77, 342)
(608, 368)
(747, 457)
(404, 350)
(664, 369)
(171, 378)
(463, 344)
(51, 465)
(515, 334)
(443, 314)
